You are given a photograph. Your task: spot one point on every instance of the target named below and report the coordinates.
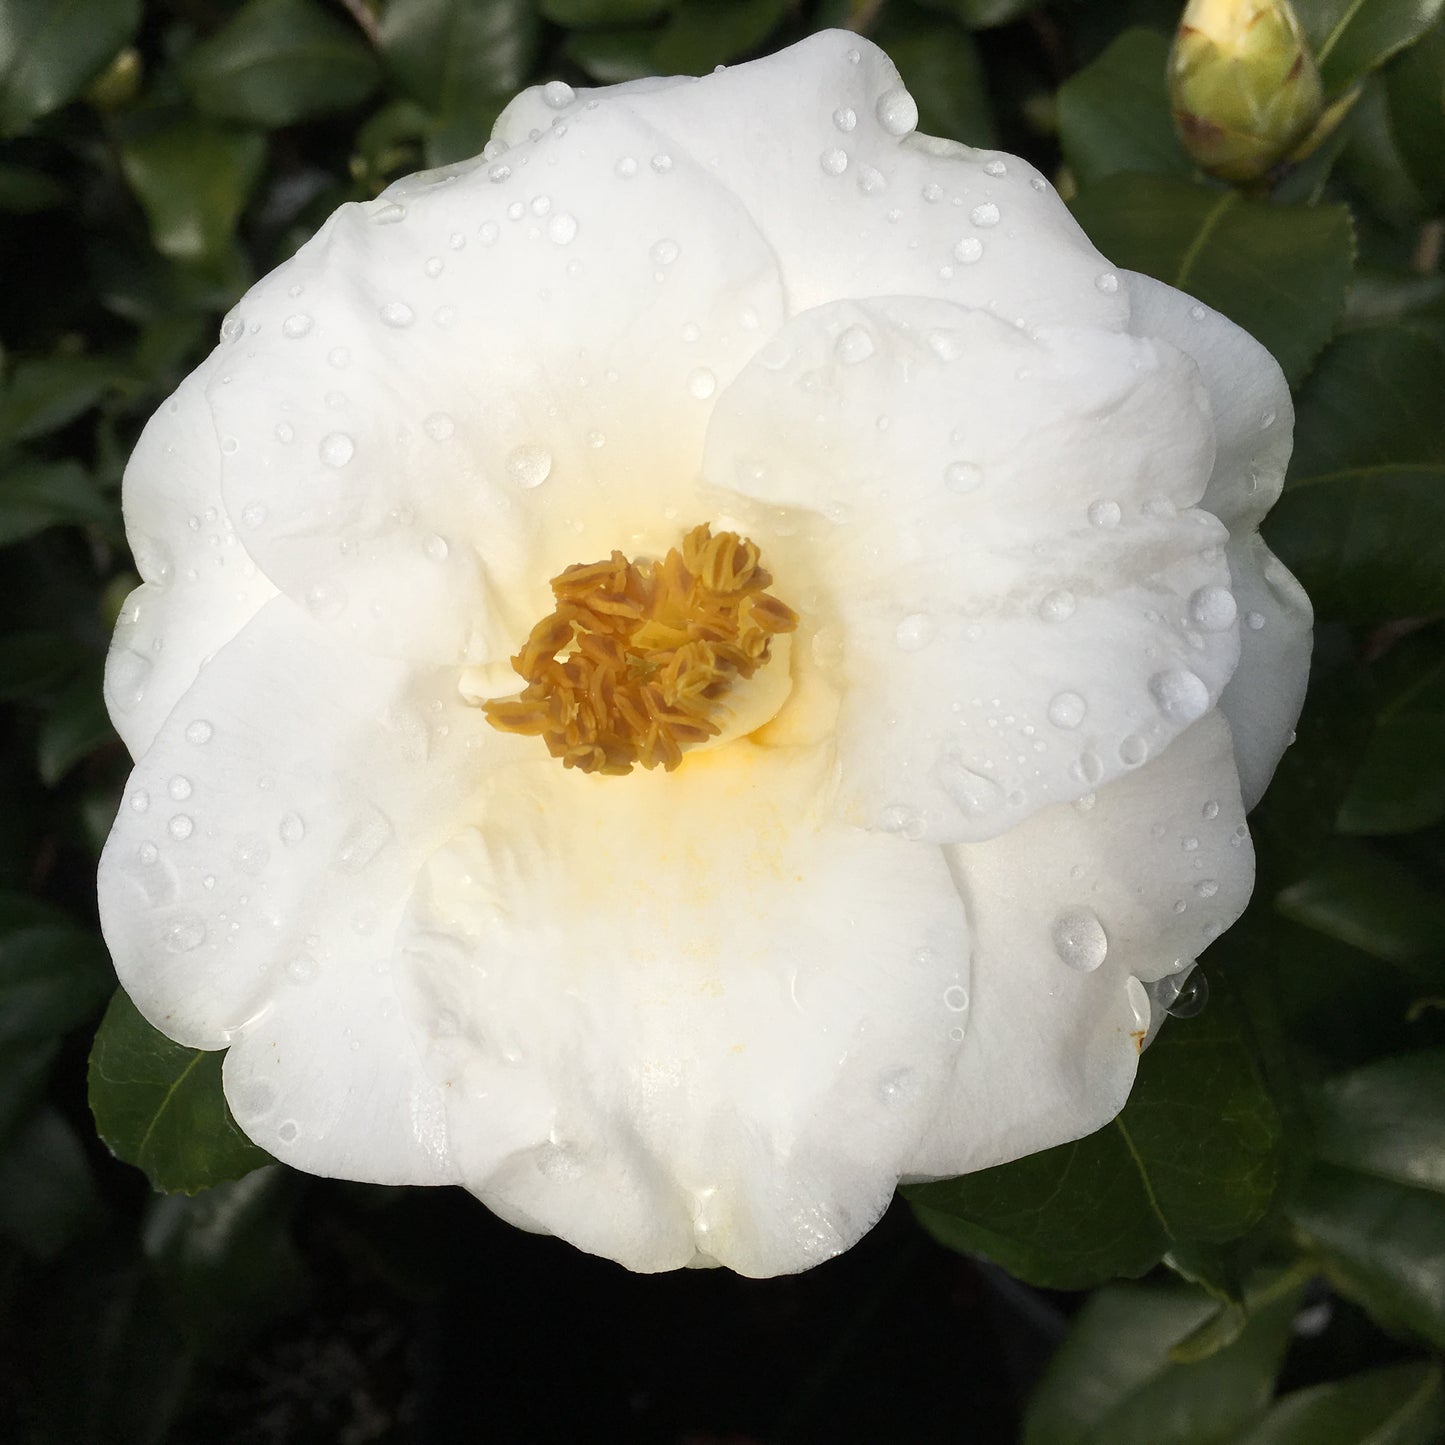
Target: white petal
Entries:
(483, 380)
(817, 142)
(1129, 888)
(1000, 529)
(681, 1017)
(199, 586)
(252, 884)
(1254, 419)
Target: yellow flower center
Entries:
(632, 664)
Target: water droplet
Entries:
(558, 95)
(140, 801)
(1254, 621)
(1206, 887)
(899, 818)
(896, 111)
(292, 829)
(180, 788)
(626, 167)
(853, 346)
(1057, 606)
(1105, 514)
(664, 252)
(914, 632)
(436, 548)
(529, 466)
(661, 163)
(968, 250)
(180, 827)
(293, 328)
(397, 314)
(962, 478)
(1180, 695)
(326, 599)
(287, 1131)
(971, 793)
(1213, 608)
(439, 426)
(701, 384)
(1133, 750)
(955, 999)
(186, 932)
(1182, 995)
(845, 118)
(1210, 812)
(1107, 282)
(388, 214)
(363, 840)
(199, 732)
(834, 161)
(232, 328)
(488, 232)
(499, 173)
(1079, 939)
(1067, 709)
(984, 215)
(336, 449)
(562, 229)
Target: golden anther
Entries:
(631, 664)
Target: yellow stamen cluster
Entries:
(630, 666)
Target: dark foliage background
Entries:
(1254, 1252)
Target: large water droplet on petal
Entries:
(1079, 939)
(529, 466)
(1180, 695)
(1213, 608)
(897, 112)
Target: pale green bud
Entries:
(1243, 86)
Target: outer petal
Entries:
(682, 1018)
(252, 885)
(817, 142)
(1002, 528)
(1068, 912)
(1254, 418)
(199, 588)
(476, 380)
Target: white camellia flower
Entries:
(851, 806)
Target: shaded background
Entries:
(1280, 1204)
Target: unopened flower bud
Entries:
(1243, 86)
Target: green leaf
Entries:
(1366, 899)
(1382, 1244)
(53, 978)
(1388, 1120)
(159, 1105)
(50, 50)
(1398, 1405)
(451, 54)
(940, 65)
(32, 663)
(193, 179)
(47, 1196)
(1113, 1381)
(571, 14)
(43, 395)
(74, 728)
(1278, 271)
(1351, 37)
(1114, 114)
(277, 62)
(1362, 519)
(23, 191)
(1399, 785)
(1371, 160)
(1192, 1157)
(25, 1068)
(701, 34)
(984, 14)
(1415, 97)
(36, 495)
(612, 56)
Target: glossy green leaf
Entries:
(1388, 1120)
(159, 1105)
(701, 34)
(75, 726)
(53, 977)
(1398, 1405)
(25, 1068)
(24, 191)
(1415, 97)
(193, 179)
(35, 495)
(33, 663)
(1192, 1157)
(1113, 1381)
(1114, 114)
(47, 1196)
(1350, 38)
(43, 395)
(1372, 161)
(985, 14)
(1362, 519)
(1278, 271)
(449, 54)
(280, 61)
(1399, 784)
(940, 65)
(583, 13)
(612, 56)
(1382, 1244)
(1370, 901)
(50, 49)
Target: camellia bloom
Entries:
(699, 664)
